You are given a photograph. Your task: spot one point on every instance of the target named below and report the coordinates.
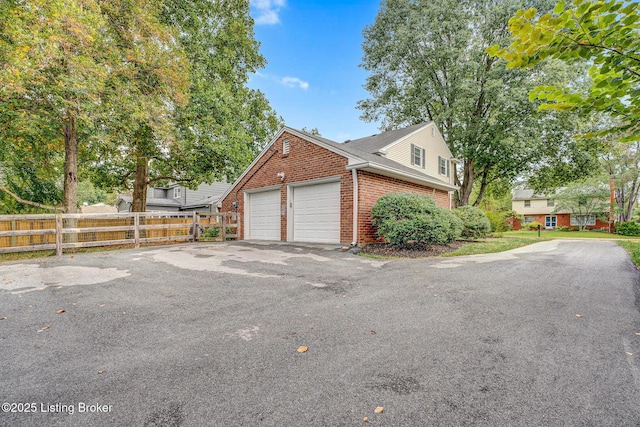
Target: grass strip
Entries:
(492, 245)
(633, 248)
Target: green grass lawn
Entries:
(633, 248)
(568, 235)
(495, 244)
(516, 239)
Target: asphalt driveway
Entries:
(207, 334)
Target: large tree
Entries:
(584, 200)
(53, 63)
(223, 123)
(143, 92)
(622, 165)
(603, 36)
(427, 62)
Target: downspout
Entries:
(354, 174)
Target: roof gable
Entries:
(357, 157)
(381, 142)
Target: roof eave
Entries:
(404, 176)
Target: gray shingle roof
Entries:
(385, 138)
(528, 194)
(375, 143)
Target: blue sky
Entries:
(313, 49)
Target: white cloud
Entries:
(294, 81)
(267, 11)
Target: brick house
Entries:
(305, 188)
(540, 208)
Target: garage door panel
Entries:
(264, 215)
(316, 213)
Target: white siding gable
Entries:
(429, 139)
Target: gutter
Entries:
(440, 185)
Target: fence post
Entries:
(136, 229)
(195, 226)
(224, 227)
(59, 235)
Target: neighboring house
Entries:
(176, 198)
(305, 188)
(540, 208)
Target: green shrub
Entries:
(628, 228)
(211, 232)
(403, 218)
(498, 221)
(475, 222)
(567, 228)
(533, 225)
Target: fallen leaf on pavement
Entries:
(3, 318)
(372, 332)
(303, 349)
(61, 311)
(101, 372)
(379, 410)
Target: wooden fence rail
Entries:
(22, 233)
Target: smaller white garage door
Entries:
(316, 213)
(264, 215)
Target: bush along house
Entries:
(305, 188)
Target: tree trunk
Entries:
(139, 203)
(70, 192)
(483, 188)
(467, 184)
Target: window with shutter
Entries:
(417, 156)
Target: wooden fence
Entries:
(21, 233)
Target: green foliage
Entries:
(211, 232)
(534, 225)
(634, 251)
(628, 228)
(583, 199)
(601, 35)
(567, 228)
(475, 222)
(622, 163)
(89, 194)
(54, 60)
(428, 61)
(102, 89)
(404, 218)
(498, 221)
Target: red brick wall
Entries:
(371, 187)
(305, 161)
(308, 161)
(564, 220)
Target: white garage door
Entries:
(316, 213)
(264, 215)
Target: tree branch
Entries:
(30, 203)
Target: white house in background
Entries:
(175, 198)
